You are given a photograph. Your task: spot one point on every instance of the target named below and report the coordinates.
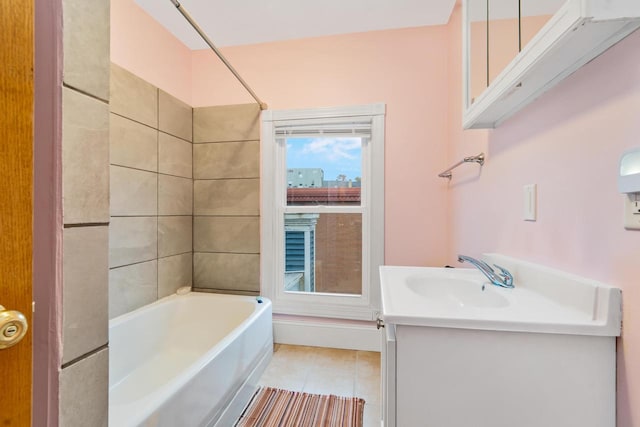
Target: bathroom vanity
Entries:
(460, 352)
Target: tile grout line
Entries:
(121, 115)
(85, 93)
(150, 216)
(149, 171)
(226, 141)
(225, 252)
(170, 134)
(158, 258)
(85, 356)
(193, 204)
(158, 194)
(85, 224)
(228, 178)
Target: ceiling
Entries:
(239, 22)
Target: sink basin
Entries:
(543, 300)
(459, 292)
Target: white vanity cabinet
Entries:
(449, 377)
(515, 50)
(461, 352)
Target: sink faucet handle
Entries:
(506, 276)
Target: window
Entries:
(322, 210)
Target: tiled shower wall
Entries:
(127, 164)
(150, 238)
(83, 379)
(226, 171)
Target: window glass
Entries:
(323, 171)
(323, 253)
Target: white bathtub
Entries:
(187, 360)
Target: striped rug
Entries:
(283, 408)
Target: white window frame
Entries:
(273, 190)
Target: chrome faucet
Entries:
(503, 279)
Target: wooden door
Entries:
(16, 201)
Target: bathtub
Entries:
(187, 360)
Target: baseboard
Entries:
(334, 335)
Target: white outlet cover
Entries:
(632, 211)
(530, 200)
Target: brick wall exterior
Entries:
(339, 253)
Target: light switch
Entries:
(530, 202)
(632, 211)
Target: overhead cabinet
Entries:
(514, 51)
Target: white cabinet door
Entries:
(389, 376)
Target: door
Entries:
(16, 212)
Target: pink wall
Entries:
(142, 46)
(568, 142)
(406, 69)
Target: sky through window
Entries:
(335, 156)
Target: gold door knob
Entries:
(13, 327)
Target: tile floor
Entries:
(328, 371)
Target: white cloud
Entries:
(333, 149)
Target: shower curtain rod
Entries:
(195, 26)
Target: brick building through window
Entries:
(323, 252)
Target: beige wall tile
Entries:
(173, 273)
(85, 158)
(226, 123)
(175, 195)
(226, 271)
(133, 192)
(86, 46)
(133, 97)
(174, 235)
(132, 239)
(176, 157)
(132, 287)
(174, 116)
(226, 160)
(227, 197)
(84, 392)
(85, 290)
(133, 144)
(226, 234)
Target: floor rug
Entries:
(283, 408)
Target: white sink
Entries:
(543, 300)
(457, 292)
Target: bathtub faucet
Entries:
(503, 279)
